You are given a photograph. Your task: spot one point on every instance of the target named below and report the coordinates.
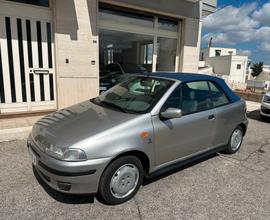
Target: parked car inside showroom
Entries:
(139, 128)
(115, 73)
(265, 106)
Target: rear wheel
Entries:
(121, 180)
(235, 140)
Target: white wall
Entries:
(227, 65)
(238, 75)
(221, 65)
(190, 45)
(266, 68)
(76, 41)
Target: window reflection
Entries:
(130, 53)
(166, 52)
(123, 17)
(167, 25)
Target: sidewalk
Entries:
(253, 106)
(19, 128)
(16, 128)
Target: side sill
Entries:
(189, 160)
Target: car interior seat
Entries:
(189, 103)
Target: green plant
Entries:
(257, 69)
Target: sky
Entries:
(240, 24)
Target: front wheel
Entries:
(121, 180)
(235, 140)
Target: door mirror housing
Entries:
(170, 113)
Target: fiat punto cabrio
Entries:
(137, 129)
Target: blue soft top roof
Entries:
(188, 77)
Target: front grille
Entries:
(265, 110)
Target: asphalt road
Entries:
(219, 187)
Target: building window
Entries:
(133, 53)
(218, 53)
(239, 66)
(44, 3)
(167, 25)
(230, 52)
(166, 51)
(147, 50)
(125, 17)
(144, 41)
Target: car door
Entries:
(193, 132)
(225, 114)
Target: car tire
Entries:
(235, 141)
(121, 180)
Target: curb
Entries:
(12, 134)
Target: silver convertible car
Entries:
(139, 128)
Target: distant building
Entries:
(266, 68)
(224, 62)
(216, 52)
(261, 82)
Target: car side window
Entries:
(174, 100)
(196, 97)
(219, 98)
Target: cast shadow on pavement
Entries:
(255, 115)
(177, 168)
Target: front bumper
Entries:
(69, 177)
(265, 109)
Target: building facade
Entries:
(53, 52)
(225, 62)
(215, 52)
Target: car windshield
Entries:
(137, 95)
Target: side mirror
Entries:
(170, 113)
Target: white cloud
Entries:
(263, 14)
(244, 52)
(232, 25)
(230, 37)
(231, 18)
(222, 38)
(262, 36)
(262, 33)
(265, 46)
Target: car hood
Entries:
(68, 126)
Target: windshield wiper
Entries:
(112, 105)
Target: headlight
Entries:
(66, 154)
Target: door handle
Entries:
(211, 117)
